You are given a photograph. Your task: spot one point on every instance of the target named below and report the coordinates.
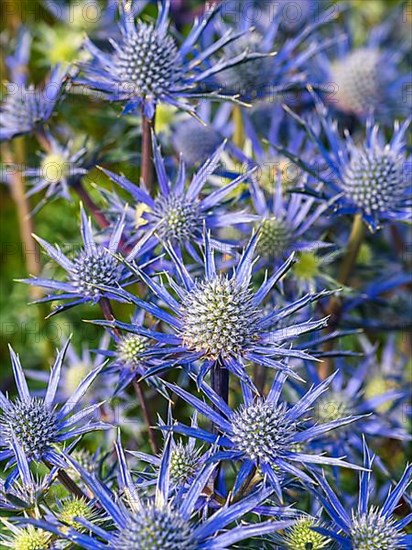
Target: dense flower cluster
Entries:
(237, 370)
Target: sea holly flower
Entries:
(312, 271)
(302, 535)
(93, 265)
(197, 141)
(368, 178)
(60, 166)
(220, 317)
(27, 538)
(286, 221)
(72, 508)
(368, 78)
(75, 368)
(25, 492)
(186, 458)
(26, 108)
(365, 526)
(265, 433)
(279, 64)
(347, 394)
(179, 212)
(164, 521)
(130, 358)
(37, 424)
(146, 65)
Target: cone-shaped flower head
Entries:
(36, 424)
(367, 527)
(147, 65)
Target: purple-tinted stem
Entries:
(107, 310)
(147, 168)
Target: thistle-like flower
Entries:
(165, 522)
(370, 178)
(26, 108)
(360, 80)
(146, 65)
(37, 423)
(368, 78)
(196, 142)
(380, 413)
(220, 317)
(73, 508)
(28, 538)
(186, 459)
(302, 536)
(130, 349)
(130, 357)
(27, 491)
(92, 266)
(58, 168)
(367, 527)
(265, 433)
(278, 61)
(178, 212)
(286, 222)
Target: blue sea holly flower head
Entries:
(164, 521)
(26, 538)
(367, 527)
(286, 221)
(197, 140)
(219, 317)
(95, 264)
(369, 178)
(186, 458)
(26, 108)
(279, 64)
(58, 167)
(347, 393)
(301, 535)
(265, 433)
(28, 490)
(369, 77)
(37, 424)
(146, 65)
(185, 461)
(75, 368)
(130, 358)
(179, 212)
